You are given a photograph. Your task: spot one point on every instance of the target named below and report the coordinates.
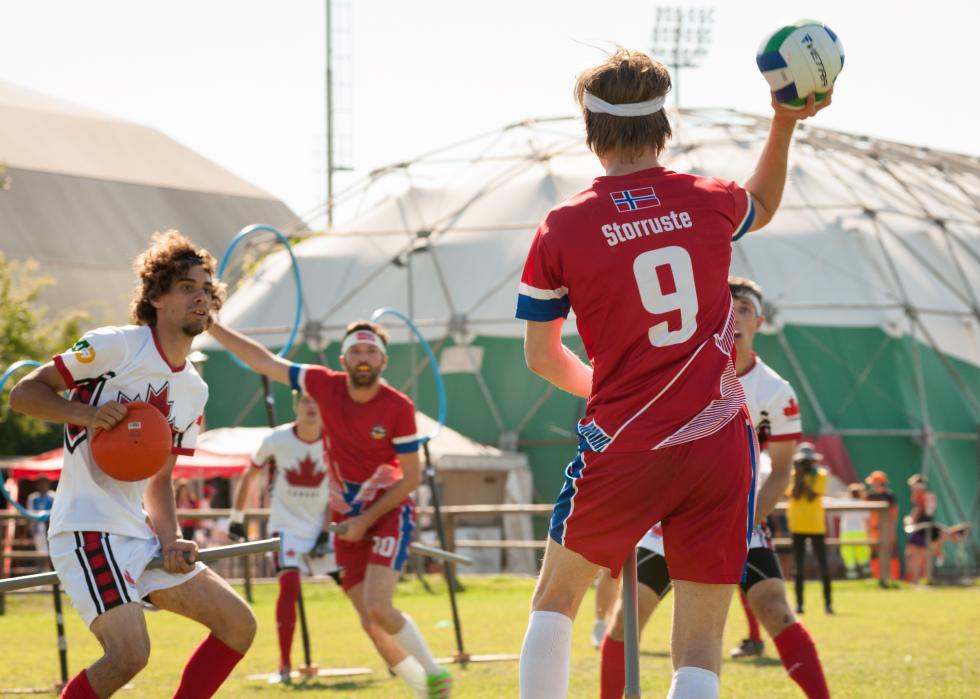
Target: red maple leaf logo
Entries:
(160, 399)
(793, 409)
(305, 474)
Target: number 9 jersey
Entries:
(642, 259)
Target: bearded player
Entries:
(776, 415)
(372, 446)
(100, 536)
(642, 257)
(299, 515)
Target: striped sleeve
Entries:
(542, 296)
(744, 213)
(405, 437)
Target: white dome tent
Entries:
(871, 268)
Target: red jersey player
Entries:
(372, 447)
(100, 536)
(642, 258)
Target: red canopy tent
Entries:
(204, 464)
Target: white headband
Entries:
(366, 337)
(597, 105)
(751, 298)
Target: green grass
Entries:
(897, 644)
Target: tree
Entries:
(28, 331)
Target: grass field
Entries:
(898, 644)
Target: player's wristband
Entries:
(237, 517)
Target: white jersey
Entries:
(776, 415)
(302, 485)
(123, 364)
(772, 404)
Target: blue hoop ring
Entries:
(440, 388)
(244, 233)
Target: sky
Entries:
(242, 81)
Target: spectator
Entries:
(186, 500)
(807, 519)
(881, 526)
(38, 502)
(854, 526)
(921, 527)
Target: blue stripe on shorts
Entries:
(563, 506)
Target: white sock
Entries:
(694, 683)
(411, 640)
(545, 656)
(412, 672)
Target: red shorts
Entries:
(386, 543)
(702, 491)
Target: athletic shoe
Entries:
(799, 609)
(598, 631)
(828, 609)
(440, 685)
(748, 649)
(281, 677)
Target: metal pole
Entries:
(205, 556)
(448, 570)
(59, 620)
(631, 631)
(329, 105)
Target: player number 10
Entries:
(675, 263)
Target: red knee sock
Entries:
(749, 616)
(286, 614)
(79, 688)
(207, 669)
(799, 656)
(612, 680)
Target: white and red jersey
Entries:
(772, 404)
(124, 364)
(301, 487)
(363, 439)
(643, 261)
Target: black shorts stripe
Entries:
(110, 556)
(87, 574)
(760, 565)
(651, 571)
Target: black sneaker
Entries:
(799, 609)
(828, 609)
(748, 649)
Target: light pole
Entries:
(681, 37)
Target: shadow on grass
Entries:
(321, 686)
(655, 653)
(761, 661)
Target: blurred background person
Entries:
(854, 527)
(807, 518)
(921, 528)
(881, 525)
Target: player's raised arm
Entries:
(767, 182)
(258, 358)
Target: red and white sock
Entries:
(612, 677)
(207, 669)
(79, 688)
(286, 614)
(799, 656)
(749, 616)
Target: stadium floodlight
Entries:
(681, 37)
